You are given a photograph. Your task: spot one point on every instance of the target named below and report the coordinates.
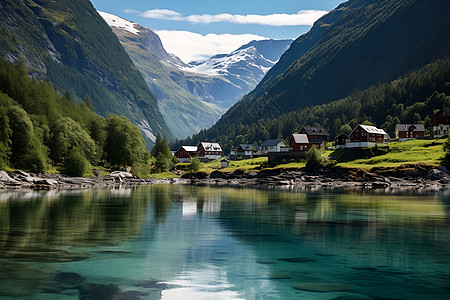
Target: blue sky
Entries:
(218, 25)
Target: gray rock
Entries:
(121, 174)
(4, 177)
(444, 169)
(436, 174)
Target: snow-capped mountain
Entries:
(244, 67)
(193, 96)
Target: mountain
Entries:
(193, 96)
(359, 44)
(68, 43)
(244, 67)
(184, 113)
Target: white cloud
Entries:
(303, 17)
(191, 46)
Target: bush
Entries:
(76, 164)
(195, 165)
(313, 157)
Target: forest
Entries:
(40, 128)
(412, 98)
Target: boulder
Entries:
(436, 174)
(4, 177)
(121, 174)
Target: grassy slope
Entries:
(429, 152)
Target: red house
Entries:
(185, 153)
(405, 132)
(441, 122)
(367, 136)
(316, 135)
(299, 142)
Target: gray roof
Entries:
(248, 146)
(300, 138)
(211, 146)
(315, 131)
(274, 142)
(373, 129)
(410, 127)
(189, 148)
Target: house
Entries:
(316, 135)
(299, 142)
(367, 136)
(246, 151)
(441, 122)
(209, 151)
(224, 163)
(185, 153)
(276, 145)
(341, 140)
(405, 132)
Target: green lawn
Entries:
(408, 152)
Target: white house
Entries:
(276, 145)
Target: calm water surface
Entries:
(182, 242)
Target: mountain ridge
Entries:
(69, 44)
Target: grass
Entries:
(430, 152)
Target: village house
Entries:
(299, 142)
(316, 135)
(185, 153)
(245, 151)
(441, 122)
(341, 140)
(224, 163)
(405, 132)
(209, 151)
(276, 145)
(364, 136)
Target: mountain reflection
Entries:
(34, 223)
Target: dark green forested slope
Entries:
(412, 98)
(357, 45)
(68, 43)
(39, 126)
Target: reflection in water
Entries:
(183, 242)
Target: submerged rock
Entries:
(96, 291)
(321, 287)
(62, 281)
(298, 259)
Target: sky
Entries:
(198, 29)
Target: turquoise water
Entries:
(183, 242)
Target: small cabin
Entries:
(276, 145)
(299, 142)
(209, 151)
(224, 163)
(341, 140)
(185, 153)
(405, 132)
(316, 135)
(441, 122)
(246, 151)
(364, 136)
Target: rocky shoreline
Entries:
(413, 177)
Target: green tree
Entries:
(164, 158)
(313, 157)
(76, 163)
(5, 140)
(194, 165)
(124, 143)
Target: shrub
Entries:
(194, 166)
(76, 164)
(313, 157)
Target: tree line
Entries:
(40, 127)
(412, 98)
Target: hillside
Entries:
(193, 96)
(359, 44)
(68, 43)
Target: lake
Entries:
(186, 242)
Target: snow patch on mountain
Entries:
(115, 21)
(221, 64)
